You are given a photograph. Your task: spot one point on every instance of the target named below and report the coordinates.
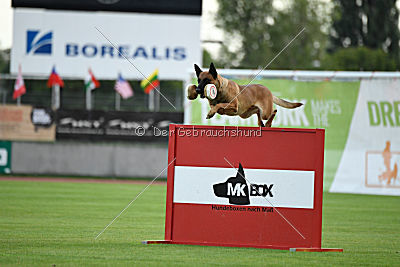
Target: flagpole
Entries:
(55, 96)
(157, 99)
(57, 90)
(88, 99)
(19, 101)
(151, 100)
(117, 101)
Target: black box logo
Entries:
(238, 191)
(235, 189)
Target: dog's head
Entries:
(206, 77)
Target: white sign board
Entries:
(371, 158)
(276, 188)
(69, 39)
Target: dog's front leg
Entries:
(212, 112)
(230, 109)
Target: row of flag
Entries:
(121, 85)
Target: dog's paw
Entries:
(210, 115)
(191, 92)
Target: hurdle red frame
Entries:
(276, 148)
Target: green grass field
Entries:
(43, 223)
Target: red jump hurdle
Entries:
(245, 187)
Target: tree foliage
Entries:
(260, 31)
(247, 25)
(369, 23)
(5, 60)
(360, 59)
(207, 59)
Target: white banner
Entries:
(371, 158)
(222, 186)
(69, 39)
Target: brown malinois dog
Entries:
(233, 99)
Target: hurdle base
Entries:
(149, 242)
(316, 249)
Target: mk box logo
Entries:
(38, 44)
(237, 190)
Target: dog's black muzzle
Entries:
(199, 91)
(200, 88)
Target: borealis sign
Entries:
(103, 41)
(42, 44)
(122, 51)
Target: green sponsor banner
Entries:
(5, 157)
(371, 158)
(327, 104)
(384, 113)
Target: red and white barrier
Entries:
(245, 187)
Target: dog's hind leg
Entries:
(270, 119)
(260, 122)
(253, 110)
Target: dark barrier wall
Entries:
(82, 158)
(115, 125)
(192, 7)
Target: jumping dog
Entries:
(237, 100)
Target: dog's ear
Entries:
(213, 71)
(198, 70)
(240, 173)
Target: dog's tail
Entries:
(285, 104)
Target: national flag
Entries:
(123, 87)
(151, 82)
(91, 82)
(19, 86)
(54, 79)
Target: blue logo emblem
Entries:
(38, 45)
